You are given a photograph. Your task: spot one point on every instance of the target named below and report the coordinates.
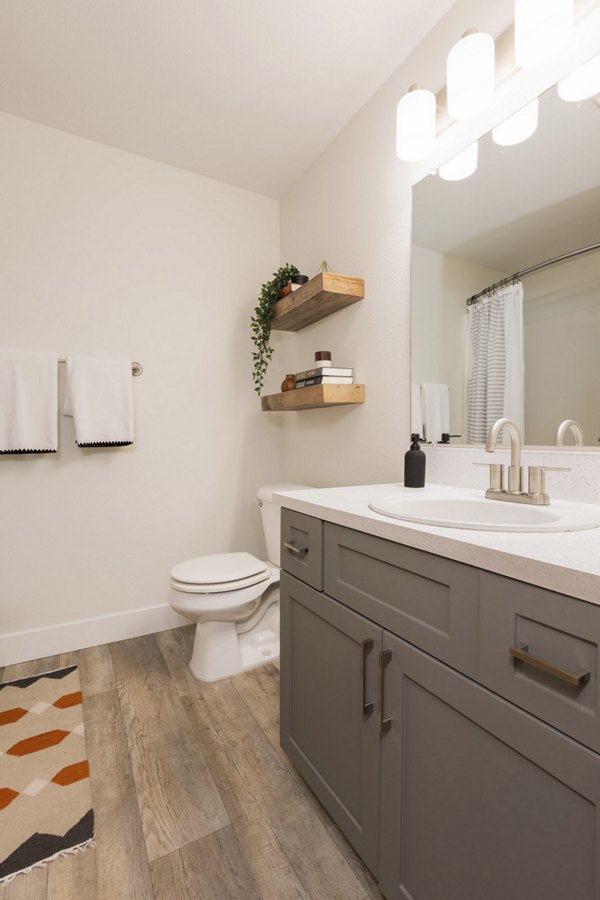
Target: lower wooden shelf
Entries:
(314, 397)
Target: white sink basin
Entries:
(475, 512)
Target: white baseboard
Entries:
(22, 646)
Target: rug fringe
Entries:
(70, 851)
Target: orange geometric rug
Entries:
(45, 798)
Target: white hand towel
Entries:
(28, 401)
(99, 396)
(416, 409)
(436, 410)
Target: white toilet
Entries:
(234, 598)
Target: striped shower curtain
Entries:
(495, 365)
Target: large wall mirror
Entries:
(525, 205)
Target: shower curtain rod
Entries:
(543, 265)
(136, 367)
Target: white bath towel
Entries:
(28, 401)
(416, 409)
(99, 396)
(436, 410)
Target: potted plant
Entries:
(261, 321)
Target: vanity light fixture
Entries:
(583, 82)
(415, 124)
(543, 29)
(471, 75)
(518, 127)
(462, 165)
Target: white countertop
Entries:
(567, 562)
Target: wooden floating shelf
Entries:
(322, 295)
(314, 397)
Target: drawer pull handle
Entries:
(365, 646)
(577, 679)
(297, 551)
(384, 724)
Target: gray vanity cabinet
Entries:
(328, 719)
(480, 800)
(457, 771)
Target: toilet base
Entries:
(220, 651)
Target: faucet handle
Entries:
(496, 475)
(537, 478)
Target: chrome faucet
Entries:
(575, 427)
(515, 470)
(536, 494)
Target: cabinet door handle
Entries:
(576, 678)
(365, 646)
(384, 724)
(297, 551)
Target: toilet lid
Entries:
(220, 568)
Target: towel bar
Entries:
(136, 367)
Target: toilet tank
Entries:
(271, 517)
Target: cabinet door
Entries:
(328, 717)
(479, 799)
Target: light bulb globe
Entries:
(415, 125)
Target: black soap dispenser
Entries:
(414, 465)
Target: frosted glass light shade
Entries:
(583, 82)
(518, 127)
(415, 125)
(543, 29)
(462, 165)
(471, 76)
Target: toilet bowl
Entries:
(234, 599)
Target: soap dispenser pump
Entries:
(414, 465)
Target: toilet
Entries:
(234, 598)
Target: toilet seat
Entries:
(224, 604)
(219, 573)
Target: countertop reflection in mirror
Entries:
(526, 204)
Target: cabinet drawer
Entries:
(429, 601)
(302, 547)
(559, 637)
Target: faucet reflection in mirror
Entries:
(569, 425)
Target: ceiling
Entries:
(249, 93)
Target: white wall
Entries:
(440, 286)
(353, 208)
(105, 253)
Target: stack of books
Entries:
(324, 375)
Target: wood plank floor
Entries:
(193, 797)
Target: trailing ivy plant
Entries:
(261, 321)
